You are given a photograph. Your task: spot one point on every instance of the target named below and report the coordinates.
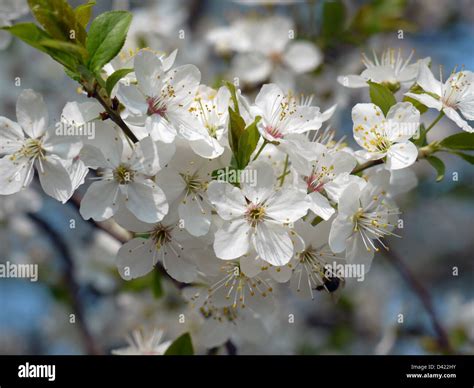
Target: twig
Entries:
(70, 283)
(424, 297)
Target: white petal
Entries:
(135, 258)
(176, 263)
(341, 230)
(273, 244)
(149, 72)
(320, 206)
(196, 215)
(232, 240)
(133, 99)
(427, 81)
(357, 252)
(260, 188)
(404, 120)
(352, 81)
(54, 178)
(367, 120)
(11, 136)
(147, 201)
(100, 201)
(426, 99)
(77, 173)
(160, 129)
(228, 199)
(252, 67)
(466, 105)
(287, 205)
(32, 113)
(401, 155)
(15, 176)
(302, 57)
(66, 147)
(453, 115)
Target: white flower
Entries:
(364, 215)
(210, 110)
(328, 173)
(162, 96)
(51, 155)
(256, 214)
(124, 180)
(268, 50)
(164, 242)
(234, 288)
(391, 71)
(184, 181)
(387, 136)
(309, 265)
(284, 120)
(10, 10)
(456, 94)
(144, 343)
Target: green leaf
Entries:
(459, 141)
(157, 286)
(334, 15)
(236, 129)
(381, 96)
(58, 19)
(233, 94)
(83, 13)
(114, 78)
(182, 346)
(438, 165)
(106, 37)
(71, 48)
(247, 144)
(467, 157)
(417, 104)
(31, 34)
(420, 139)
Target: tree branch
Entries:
(70, 283)
(423, 295)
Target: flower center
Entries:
(161, 235)
(33, 148)
(393, 86)
(193, 183)
(255, 214)
(124, 174)
(273, 132)
(156, 107)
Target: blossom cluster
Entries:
(229, 195)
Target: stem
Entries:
(114, 116)
(423, 153)
(440, 116)
(265, 142)
(424, 297)
(285, 173)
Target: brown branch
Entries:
(70, 282)
(423, 295)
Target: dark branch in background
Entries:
(423, 295)
(70, 283)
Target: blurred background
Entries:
(77, 274)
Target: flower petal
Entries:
(227, 199)
(196, 215)
(401, 155)
(232, 240)
(12, 136)
(287, 205)
(136, 258)
(147, 201)
(320, 206)
(453, 115)
(273, 244)
(100, 201)
(54, 178)
(32, 113)
(302, 57)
